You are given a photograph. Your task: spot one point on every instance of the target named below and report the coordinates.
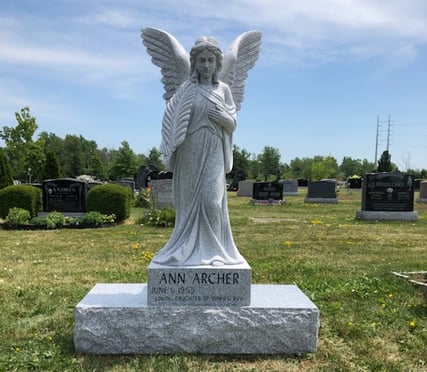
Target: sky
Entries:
(333, 76)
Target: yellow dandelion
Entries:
(288, 243)
(390, 295)
(350, 324)
(412, 324)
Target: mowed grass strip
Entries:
(370, 320)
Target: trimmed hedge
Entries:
(110, 199)
(20, 196)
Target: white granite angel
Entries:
(203, 91)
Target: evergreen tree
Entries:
(6, 178)
(52, 168)
(384, 164)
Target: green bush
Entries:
(53, 220)
(20, 196)
(110, 199)
(143, 199)
(96, 219)
(164, 217)
(17, 216)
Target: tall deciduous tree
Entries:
(270, 160)
(23, 152)
(125, 162)
(6, 178)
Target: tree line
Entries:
(45, 156)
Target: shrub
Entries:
(53, 220)
(110, 199)
(164, 217)
(143, 199)
(20, 196)
(17, 216)
(93, 218)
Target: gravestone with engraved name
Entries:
(267, 193)
(388, 196)
(322, 192)
(423, 192)
(64, 195)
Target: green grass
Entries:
(370, 320)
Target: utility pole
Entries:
(379, 122)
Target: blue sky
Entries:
(327, 69)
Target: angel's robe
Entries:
(199, 156)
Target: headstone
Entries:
(423, 192)
(162, 192)
(228, 285)
(290, 187)
(267, 193)
(199, 297)
(245, 188)
(322, 192)
(387, 196)
(354, 182)
(64, 195)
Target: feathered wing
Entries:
(238, 60)
(175, 121)
(167, 53)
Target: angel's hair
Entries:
(201, 44)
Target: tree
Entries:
(241, 161)
(384, 164)
(324, 167)
(269, 160)
(6, 178)
(125, 163)
(301, 168)
(20, 147)
(52, 169)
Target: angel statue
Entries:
(203, 92)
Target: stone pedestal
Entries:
(387, 216)
(321, 200)
(116, 319)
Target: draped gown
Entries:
(202, 233)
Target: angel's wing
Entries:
(167, 53)
(238, 60)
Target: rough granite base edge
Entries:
(422, 200)
(321, 200)
(387, 216)
(115, 319)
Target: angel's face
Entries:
(206, 65)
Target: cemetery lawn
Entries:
(370, 320)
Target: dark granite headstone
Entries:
(64, 195)
(388, 191)
(322, 189)
(354, 182)
(267, 191)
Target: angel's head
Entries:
(202, 44)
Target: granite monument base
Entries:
(116, 319)
(387, 216)
(421, 200)
(321, 200)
